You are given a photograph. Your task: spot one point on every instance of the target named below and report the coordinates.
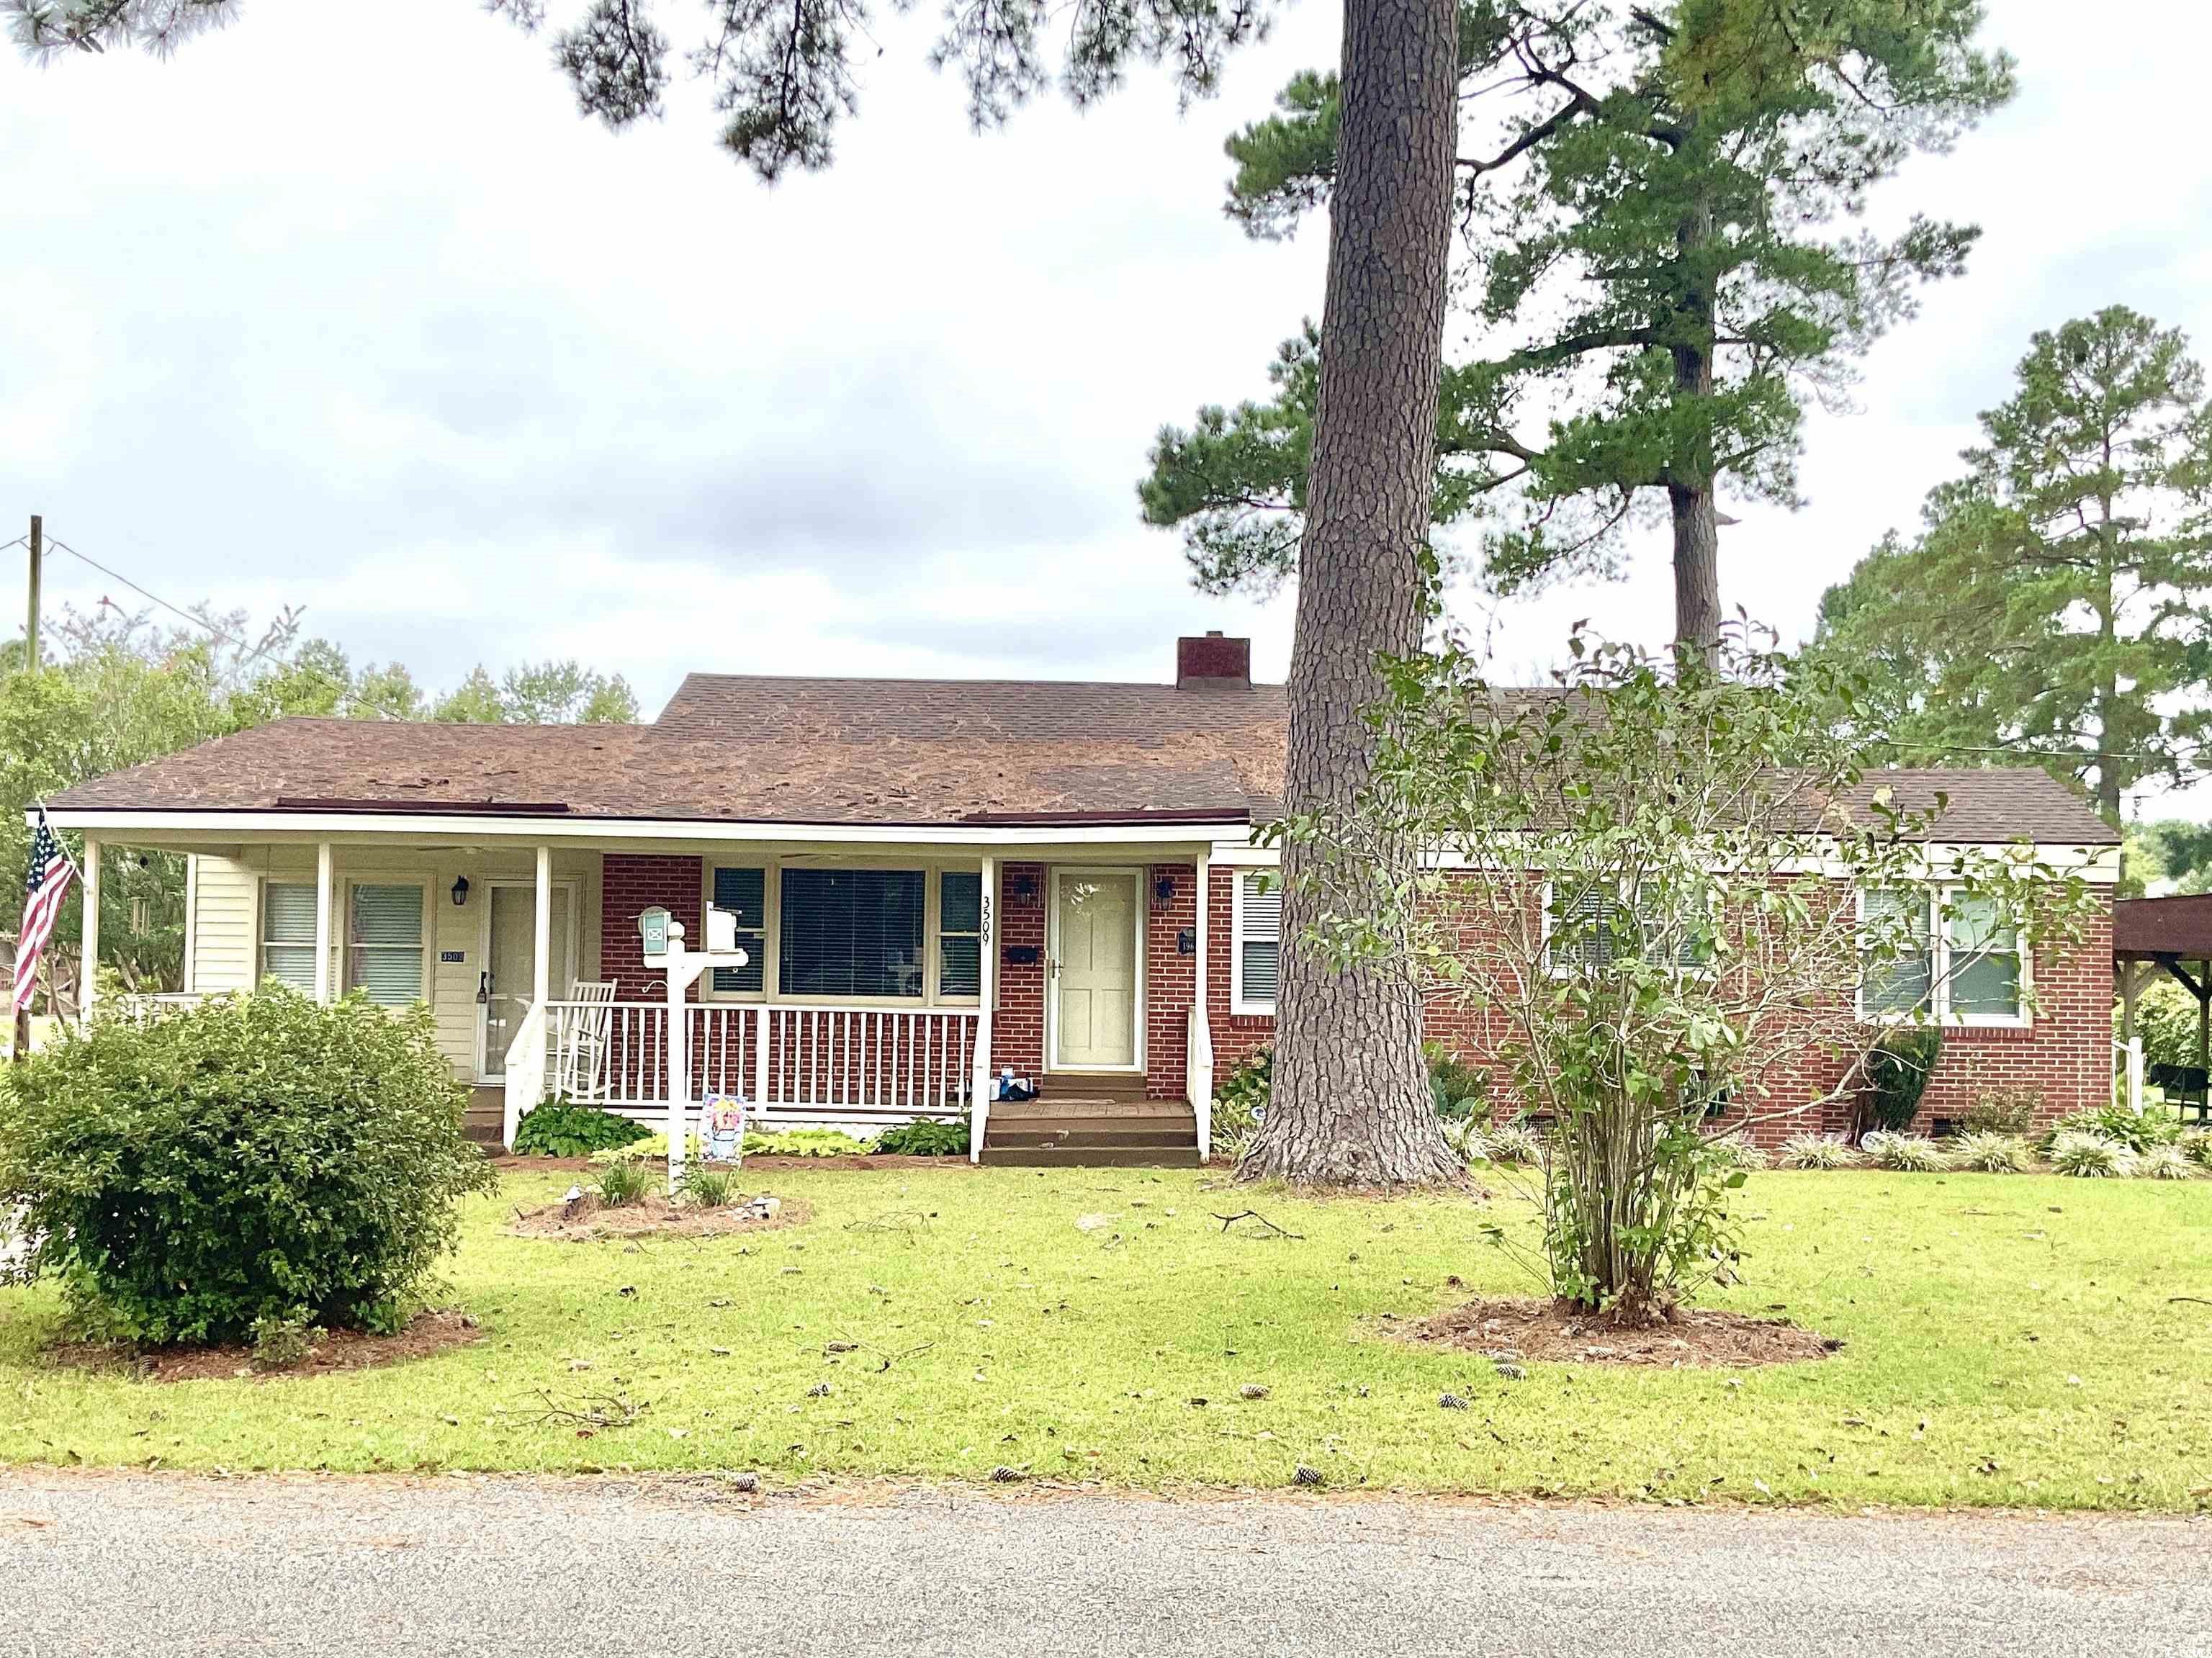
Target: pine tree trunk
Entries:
(1697, 567)
(1350, 1100)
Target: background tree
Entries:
(1671, 936)
(122, 690)
(2058, 600)
(1649, 208)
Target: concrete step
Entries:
(1168, 1138)
(1078, 1084)
(1090, 1157)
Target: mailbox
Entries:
(721, 929)
(653, 929)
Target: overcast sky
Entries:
(361, 316)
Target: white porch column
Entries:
(541, 972)
(322, 862)
(1205, 895)
(987, 987)
(89, 968)
(1198, 1046)
(541, 960)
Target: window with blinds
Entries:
(1257, 952)
(1900, 982)
(744, 892)
(960, 933)
(1592, 926)
(851, 932)
(1983, 949)
(287, 934)
(384, 943)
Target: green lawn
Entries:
(2011, 1339)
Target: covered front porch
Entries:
(888, 978)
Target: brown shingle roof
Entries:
(872, 751)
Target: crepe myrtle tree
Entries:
(1352, 1101)
(1661, 891)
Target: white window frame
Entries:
(1939, 1010)
(1241, 1006)
(261, 940)
(428, 952)
(772, 866)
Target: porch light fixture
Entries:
(1024, 888)
(1164, 892)
(460, 891)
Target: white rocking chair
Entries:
(582, 1060)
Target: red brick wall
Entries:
(629, 884)
(1017, 1007)
(2064, 1055)
(1170, 978)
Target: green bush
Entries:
(649, 1148)
(2138, 1132)
(2005, 1111)
(924, 1139)
(559, 1129)
(1897, 1075)
(1239, 1102)
(251, 1159)
(1459, 1090)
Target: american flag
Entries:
(43, 893)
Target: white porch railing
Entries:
(1198, 1075)
(138, 1007)
(866, 1065)
(525, 1078)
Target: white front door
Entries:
(1094, 970)
(509, 965)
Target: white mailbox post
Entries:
(684, 967)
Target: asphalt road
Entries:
(457, 1566)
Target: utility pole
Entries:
(38, 561)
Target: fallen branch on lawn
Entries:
(1274, 1230)
(591, 1410)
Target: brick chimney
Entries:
(1214, 662)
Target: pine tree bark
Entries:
(1349, 1101)
(1697, 567)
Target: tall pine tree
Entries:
(1654, 204)
(2058, 600)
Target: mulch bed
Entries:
(1555, 1333)
(340, 1350)
(585, 1219)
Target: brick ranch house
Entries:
(933, 880)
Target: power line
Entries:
(253, 653)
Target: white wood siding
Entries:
(225, 919)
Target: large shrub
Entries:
(253, 1159)
(1897, 1076)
